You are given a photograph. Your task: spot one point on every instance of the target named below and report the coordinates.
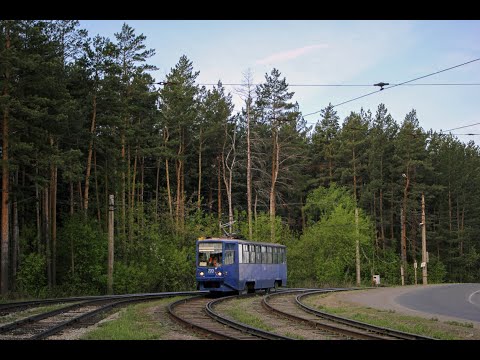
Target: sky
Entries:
(309, 53)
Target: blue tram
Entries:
(225, 264)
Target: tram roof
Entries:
(239, 241)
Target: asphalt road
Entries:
(446, 302)
(455, 300)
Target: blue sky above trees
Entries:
(331, 52)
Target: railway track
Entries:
(84, 313)
(198, 313)
(289, 305)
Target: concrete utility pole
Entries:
(424, 243)
(402, 261)
(111, 210)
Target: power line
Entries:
(392, 86)
(465, 134)
(462, 127)
(347, 85)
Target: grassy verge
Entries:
(240, 315)
(390, 319)
(133, 323)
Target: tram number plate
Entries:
(211, 271)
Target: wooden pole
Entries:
(110, 244)
(424, 243)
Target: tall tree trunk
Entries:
(53, 212)
(199, 171)
(255, 209)
(5, 189)
(330, 164)
(275, 165)
(123, 195)
(219, 194)
(249, 176)
(46, 221)
(106, 195)
(80, 196)
(462, 229)
(37, 213)
(404, 225)
(210, 198)
(228, 168)
(449, 210)
(459, 237)
(178, 195)
(374, 212)
(129, 212)
(89, 156)
(380, 206)
(140, 193)
(5, 175)
(15, 236)
(97, 192)
(71, 197)
(179, 172)
(354, 177)
(392, 234)
(413, 235)
(156, 189)
(169, 192)
(167, 175)
(304, 225)
(382, 225)
(132, 196)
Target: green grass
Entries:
(244, 317)
(294, 336)
(456, 323)
(133, 323)
(394, 321)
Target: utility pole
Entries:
(111, 209)
(402, 261)
(424, 243)
(357, 248)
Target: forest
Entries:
(83, 119)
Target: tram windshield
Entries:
(209, 254)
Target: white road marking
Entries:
(471, 296)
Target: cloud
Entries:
(290, 54)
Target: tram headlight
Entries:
(219, 273)
(201, 273)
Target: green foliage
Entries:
(31, 277)
(88, 272)
(436, 271)
(325, 253)
(262, 228)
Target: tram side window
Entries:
(269, 255)
(275, 256)
(246, 254)
(258, 254)
(252, 254)
(264, 254)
